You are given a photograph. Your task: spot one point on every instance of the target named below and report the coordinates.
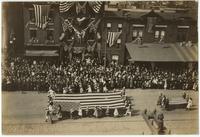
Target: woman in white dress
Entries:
(189, 105)
(89, 89)
(116, 113)
(80, 113)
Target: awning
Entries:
(162, 52)
(41, 53)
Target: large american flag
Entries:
(41, 15)
(89, 100)
(112, 37)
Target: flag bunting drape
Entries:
(41, 15)
(65, 6)
(112, 37)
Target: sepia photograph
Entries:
(100, 67)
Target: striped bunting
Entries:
(65, 6)
(96, 6)
(90, 100)
(112, 37)
(41, 15)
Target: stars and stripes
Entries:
(112, 37)
(41, 15)
(89, 100)
(96, 5)
(65, 6)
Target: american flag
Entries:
(112, 37)
(41, 15)
(151, 21)
(89, 100)
(96, 5)
(65, 6)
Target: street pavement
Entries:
(25, 113)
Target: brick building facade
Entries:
(172, 26)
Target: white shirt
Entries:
(50, 108)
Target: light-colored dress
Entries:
(80, 112)
(189, 105)
(89, 89)
(116, 113)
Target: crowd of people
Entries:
(90, 75)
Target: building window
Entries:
(162, 34)
(140, 33)
(118, 43)
(159, 34)
(33, 36)
(137, 33)
(119, 27)
(134, 33)
(31, 15)
(182, 34)
(33, 33)
(109, 25)
(50, 38)
(115, 57)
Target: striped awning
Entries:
(41, 53)
(165, 52)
